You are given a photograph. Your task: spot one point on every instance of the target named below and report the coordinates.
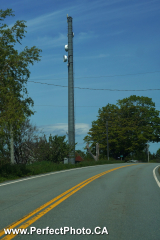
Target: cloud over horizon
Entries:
(62, 129)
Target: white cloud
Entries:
(51, 42)
(62, 128)
(60, 40)
(52, 20)
(85, 35)
(113, 11)
(45, 20)
(81, 128)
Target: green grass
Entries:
(155, 161)
(3, 179)
(10, 172)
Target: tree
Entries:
(4, 150)
(25, 143)
(158, 153)
(97, 134)
(81, 153)
(54, 150)
(14, 73)
(132, 122)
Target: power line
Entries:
(64, 106)
(106, 76)
(104, 89)
(61, 106)
(57, 85)
(67, 106)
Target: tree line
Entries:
(132, 123)
(30, 145)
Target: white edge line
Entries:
(43, 175)
(154, 175)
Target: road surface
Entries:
(122, 201)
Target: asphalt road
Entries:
(124, 202)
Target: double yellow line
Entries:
(45, 207)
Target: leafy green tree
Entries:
(14, 73)
(25, 142)
(158, 153)
(4, 150)
(131, 123)
(54, 150)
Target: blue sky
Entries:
(111, 38)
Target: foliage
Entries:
(29, 146)
(20, 170)
(140, 156)
(14, 73)
(10, 171)
(54, 150)
(25, 139)
(4, 150)
(25, 142)
(81, 153)
(158, 152)
(131, 123)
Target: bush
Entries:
(9, 171)
(17, 170)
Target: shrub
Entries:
(17, 170)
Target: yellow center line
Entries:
(68, 193)
(40, 208)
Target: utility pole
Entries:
(148, 151)
(107, 140)
(11, 145)
(97, 151)
(71, 121)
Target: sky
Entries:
(116, 46)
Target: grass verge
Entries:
(11, 172)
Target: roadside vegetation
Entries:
(10, 172)
(16, 171)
